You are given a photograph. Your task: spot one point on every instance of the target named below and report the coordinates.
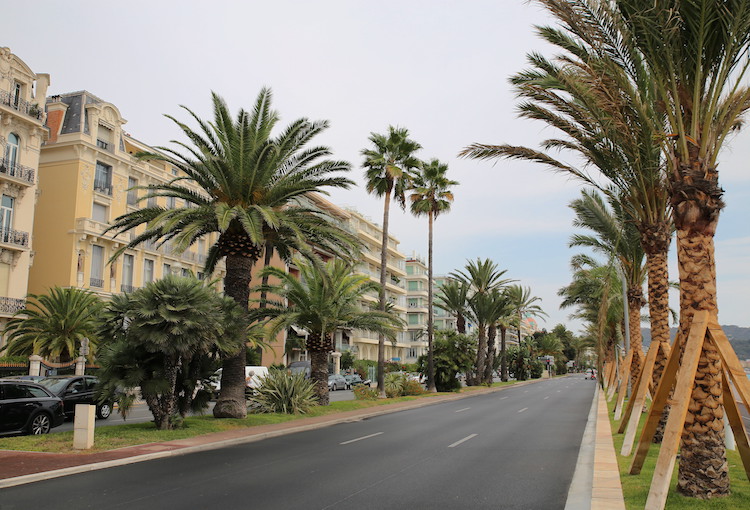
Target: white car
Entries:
(253, 378)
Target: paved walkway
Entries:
(18, 467)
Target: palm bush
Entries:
(394, 384)
(282, 392)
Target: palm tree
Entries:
(325, 298)
(697, 54)
(452, 298)
(481, 277)
(250, 182)
(162, 337)
(602, 98)
(500, 316)
(616, 237)
(388, 165)
(524, 305)
(430, 196)
(53, 325)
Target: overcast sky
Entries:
(439, 68)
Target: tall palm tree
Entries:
(615, 236)
(500, 314)
(602, 98)
(53, 325)
(430, 196)
(481, 277)
(452, 298)
(524, 305)
(249, 182)
(506, 318)
(697, 53)
(324, 298)
(388, 167)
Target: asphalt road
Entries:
(139, 413)
(512, 449)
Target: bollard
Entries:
(83, 426)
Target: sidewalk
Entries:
(18, 468)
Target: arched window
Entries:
(11, 150)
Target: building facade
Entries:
(22, 132)
(362, 343)
(87, 171)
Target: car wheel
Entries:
(40, 424)
(104, 411)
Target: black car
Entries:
(77, 389)
(27, 408)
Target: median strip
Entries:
(361, 438)
(462, 440)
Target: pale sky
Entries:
(439, 68)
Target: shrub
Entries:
(285, 393)
(561, 367)
(536, 369)
(453, 353)
(394, 384)
(365, 393)
(412, 388)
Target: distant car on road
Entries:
(591, 374)
(28, 408)
(77, 389)
(337, 382)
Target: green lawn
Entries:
(635, 487)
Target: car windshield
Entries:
(54, 385)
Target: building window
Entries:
(409, 270)
(415, 286)
(132, 193)
(201, 276)
(97, 266)
(104, 138)
(17, 94)
(127, 273)
(100, 213)
(185, 273)
(151, 202)
(11, 151)
(171, 202)
(103, 178)
(411, 352)
(166, 270)
(413, 302)
(148, 271)
(413, 318)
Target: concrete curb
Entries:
(581, 487)
(250, 438)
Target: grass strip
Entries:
(635, 488)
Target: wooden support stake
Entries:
(639, 398)
(612, 377)
(735, 421)
(631, 403)
(657, 495)
(622, 388)
(657, 407)
(730, 361)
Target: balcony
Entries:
(14, 237)
(10, 306)
(97, 282)
(103, 186)
(127, 288)
(107, 146)
(19, 173)
(31, 109)
(96, 229)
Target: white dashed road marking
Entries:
(361, 438)
(462, 441)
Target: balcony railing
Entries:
(16, 237)
(107, 146)
(11, 305)
(127, 288)
(103, 186)
(21, 172)
(97, 282)
(30, 109)
(132, 198)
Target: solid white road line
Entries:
(545, 398)
(522, 410)
(361, 438)
(503, 398)
(464, 409)
(462, 440)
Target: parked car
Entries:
(337, 382)
(253, 378)
(300, 366)
(355, 380)
(32, 378)
(77, 389)
(28, 408)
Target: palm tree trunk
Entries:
(481, 355)
(635, 303)
(461, 323)
(319, 374)
(655, 241)
(703, 470)
(503, 358)
(231, 401)
(430, 323)
(381, 297)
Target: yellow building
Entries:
(86, 171)
(22, 132)
(365, 344)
